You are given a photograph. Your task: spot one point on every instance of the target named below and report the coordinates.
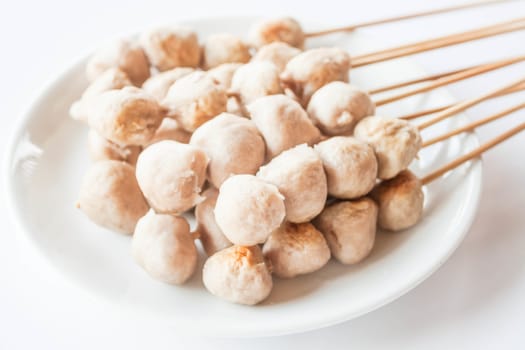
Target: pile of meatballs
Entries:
(283, 162)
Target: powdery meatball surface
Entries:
(102, 149)
(248, 209)
(296, 249)
(286, 30)
(395, 142)
(223, 73)
(256, 79)
(170, 129)
(163, 247)
(350, 166)
(233, 144)
(299, 175)
(350, 229)
(171, 175)
(159, 84)
(337, 107)
(211, 236)
(110, 196)
(278, 53)
(400, 201)
(224, 48)
(238, 274)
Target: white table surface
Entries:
(475, 301)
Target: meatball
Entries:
(350, 229)
(256, 79)
(350, 166)
(211, 236)
(162, 245)
(170, 129)
(110, 196)
(159, 84)
(169, 48)
(238, 274)
(395, 142)
(223, 73)
(102, 149)
(400, 201)
(171, 175)
(296, 249)
(337, 107)
(224, 48)
(283, 124)
(233, 144)
(195, 99)
(286, 30)
(278, 53)
(248, 209)
(299, 176)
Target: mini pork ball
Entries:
(223, 74)
(286, 30)
(159, 84)
(350, 229)
(400, 201)
(238, 274)
(163, 246)
(195, 99)
(350, 166)
(278, 53)
(122, 54)
(395, 142)
(248, 209)
(233, 144)
(337, 107)
(170, 129)
(223, 48)
(171, 175)
(296, 249)
(173, 47)
(299, 175)
(110, 196)
(256, 79)
(211, 236)
(102, 149)
(283, 124)
(312, 69)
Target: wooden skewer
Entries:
(473, 154)
(473, 125)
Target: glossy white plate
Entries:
(48, 158)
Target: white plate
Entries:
(48, 157)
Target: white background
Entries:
(475, 301)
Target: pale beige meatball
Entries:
(173, 47)
(395, 142)
(170, 129)
(233, 144)
(337, 107)
(224, 48)
(286, 30)
(248, 209)
(256, 79)
(171, 175)
(159, 84)
(210, 234)
(163, 246)
(350, 166)
(310, 70)
(110, 196)
(111, 79)
(283, 124)
(102, 149)
(278, 53)
(195, 99)
(350, 229)
(400, 201)
(296, 249)
(238, 274)
(223, 74)
(299, 175)
(123, 55)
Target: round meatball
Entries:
(110, 196)
(195, 99)
(159, 84)
(286, 30)
(296, 249)
(278, 53)
(248, 209)
(211, 236)
(350, 166)
(223, 74)
(169, 48)
(238, 274)
(224, 48)
(299, 176)
(395, 142)
(170, 129)
(233, 144)
(102, 149)
(400, 201)
(283, 124)
(350, 229)
(256, 79)
(163, 246)
(337, 107)
(171, 175)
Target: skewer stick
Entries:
(473, 125)
(473, 154)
